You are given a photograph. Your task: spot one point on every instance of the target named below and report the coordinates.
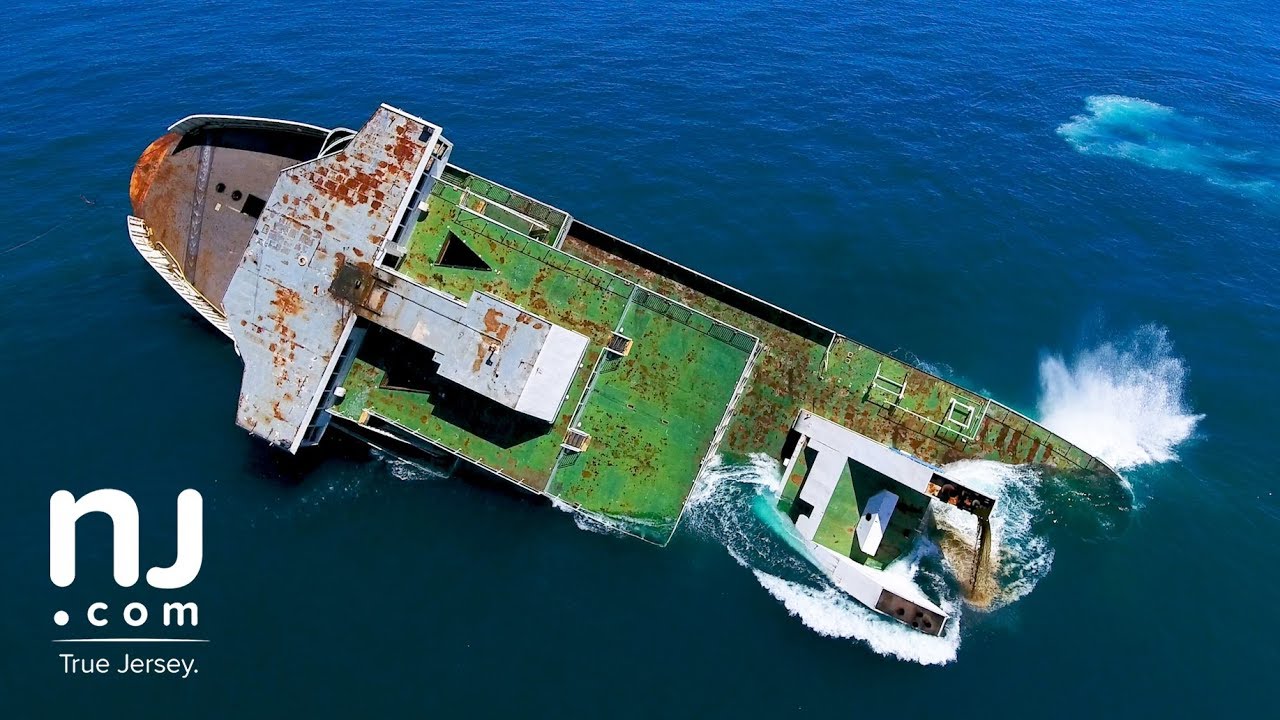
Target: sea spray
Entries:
(1121, 401)
(407, 470)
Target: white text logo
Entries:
(65, 510)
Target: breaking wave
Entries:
(1123, 402)
(1160, 137)
(829, 611)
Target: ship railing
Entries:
(553, 217)
(468, 193)
(167, 267)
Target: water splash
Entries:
(736, 505)
(1160, 137)
(1020, 554)
(407, 470)
(1123, 402)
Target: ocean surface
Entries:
(1074, 207)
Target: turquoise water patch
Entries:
(1161, 137)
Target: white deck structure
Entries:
(836, 447)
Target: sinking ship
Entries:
(370, 285)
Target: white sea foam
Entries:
(406, 470)
(590, 523)
(736, 505)
(829, 611)
(1158, 136)
(1020, 557)
(1122, 401)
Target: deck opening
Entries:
(408, 366)
(253, 206)
(619, 345)
(457, 254)
(576, 441)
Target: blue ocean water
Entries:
(1074, 207)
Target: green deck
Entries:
(695, 373)
(652, 415)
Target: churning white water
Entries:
(1122, 401)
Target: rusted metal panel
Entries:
(144, 173)
(291, 303)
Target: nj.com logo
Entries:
(65, 511)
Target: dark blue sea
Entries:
(1072, 206)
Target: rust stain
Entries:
(1031, 454)
(287, 301)
(144, 172)
(494, 326)
(482, 353)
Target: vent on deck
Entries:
(619, 345)
(576, 441)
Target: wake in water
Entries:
(1122, 402)
(1160, 137)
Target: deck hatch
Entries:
(253, 206)
(576, 441)
(619, 345)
